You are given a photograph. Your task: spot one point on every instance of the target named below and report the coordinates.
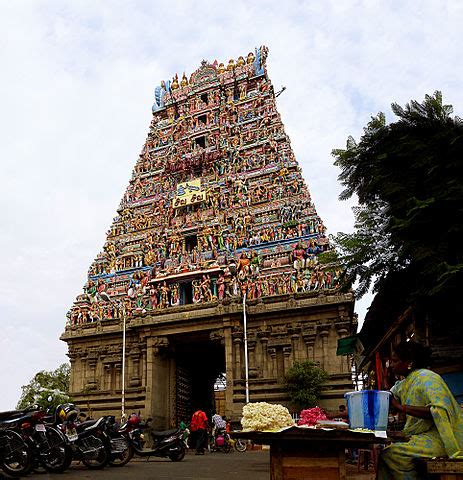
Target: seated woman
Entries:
(434, 421)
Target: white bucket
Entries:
(368, 409)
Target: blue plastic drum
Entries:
(368, 409)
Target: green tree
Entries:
(46, 384)
(304, 381)
(407, 176)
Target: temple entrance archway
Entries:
(198, 363)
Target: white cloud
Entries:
(77, 82)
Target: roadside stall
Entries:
(302, 452)
(315, 448)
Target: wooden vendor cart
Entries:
(308, 453)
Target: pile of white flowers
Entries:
(263, 416)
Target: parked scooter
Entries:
(88, 440)
(167, 444)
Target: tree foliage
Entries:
(46, 384)
(407, 176)
(304, 381)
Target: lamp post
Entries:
(246, 365)
(123, 363)
(104, 296)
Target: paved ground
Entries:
(221, 466)
(252, 464)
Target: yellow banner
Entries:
(188, 193)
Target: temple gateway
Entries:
(216, 219)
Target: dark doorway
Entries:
(201, 142)
(186, 292)
(199, 363)
(191, 242)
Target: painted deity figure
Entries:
(255, 263)
(92, 291)
(175, 295)
(242, 89)
(206, 288)
(299, 257)
(234, 287)
(164, 295)
(221, 287)
(196, 291)
(243, 265)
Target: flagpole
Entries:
(246, 364)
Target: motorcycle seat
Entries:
(9, 422)
(11, 414)
(164, 433)
(82, 426)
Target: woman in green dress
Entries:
(434, 420)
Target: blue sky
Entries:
(77, 87)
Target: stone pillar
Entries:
(287, 359)
(92, 361)
(273, 362)
(117, 377)
(149, 381)
(107, 377)
(294, 345)
(134, 356)
(143, 349)
(264, 342)
(309, 340)
(237, 340)
(324, 333)
(230, 371)
(73, 387)
(252, 355)
(158, 380)
(280, 365)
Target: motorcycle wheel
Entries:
(124, 457)
(54, 453)
(241, 445)
(17, 462)
(179, 454)
(227, 446)
(95, 460)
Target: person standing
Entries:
(198, 428)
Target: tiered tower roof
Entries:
(216, 207)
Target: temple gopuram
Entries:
(216, 212)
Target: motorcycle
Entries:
(166, 444)
(219, 441)
(47, 444)
(88, 441)
(122, 450)
(15, 456)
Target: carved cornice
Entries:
(237, 333)
(287, 351)
(159, 344)
(323, 330)
(217, 336)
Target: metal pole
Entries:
(123, 364)
(246, 366)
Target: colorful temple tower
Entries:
(216, 211)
